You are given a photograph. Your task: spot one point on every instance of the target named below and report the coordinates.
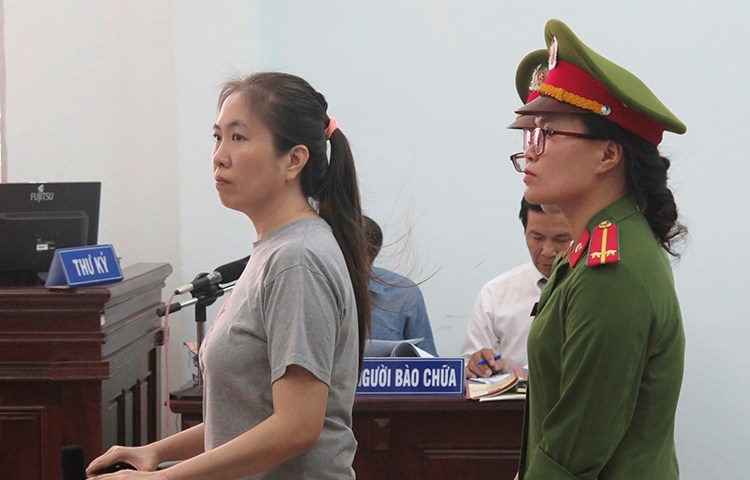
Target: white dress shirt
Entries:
(501, 317)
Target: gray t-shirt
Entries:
(293, 305)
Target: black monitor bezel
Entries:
(49, 197)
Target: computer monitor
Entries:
(38, 218)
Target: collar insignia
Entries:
(580, 247)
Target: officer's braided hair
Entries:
(646, 177)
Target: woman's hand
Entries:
(142, 458)
(131, 474)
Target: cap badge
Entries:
(552, 63)
(538, 78)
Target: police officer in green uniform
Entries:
(606, 348)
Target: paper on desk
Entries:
(504, 396)
(477, 390)
(491, 379)
(394, 348)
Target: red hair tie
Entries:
(332, 125)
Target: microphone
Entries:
(206, 301)
(73, 466)
(223, 274)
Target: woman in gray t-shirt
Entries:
(281, 360)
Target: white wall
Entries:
(216, 40)
(424, 91)
(92, 95)
(89, 100)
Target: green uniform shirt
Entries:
(606, 355)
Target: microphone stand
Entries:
(202, 298)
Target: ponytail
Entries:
(339, 205)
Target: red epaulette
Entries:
(605, 244)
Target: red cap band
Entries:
(570, 84)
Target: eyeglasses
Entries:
(519, 161)
(537, 138)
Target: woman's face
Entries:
(248, 171)
(565, 169)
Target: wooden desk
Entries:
(78, 367)
(421, 438)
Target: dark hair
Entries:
(374, 237)
(523, 214)
(295, 113)
(646, 178)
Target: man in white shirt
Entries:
(501, 318)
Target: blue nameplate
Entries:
(411, 376)
(83, 266)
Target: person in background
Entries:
(398, 308)
(281, 360)
(606, 348)
(502, 314)
(503, 310)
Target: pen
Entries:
(484, 362)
